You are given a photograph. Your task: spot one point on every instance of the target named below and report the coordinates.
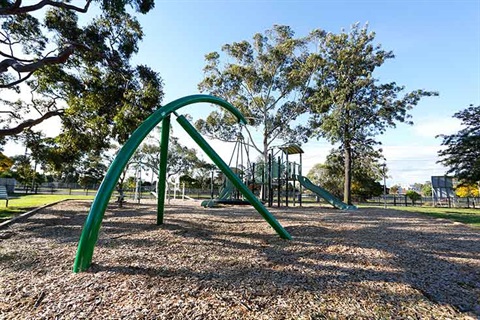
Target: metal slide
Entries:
(224, 195)
(324, 194)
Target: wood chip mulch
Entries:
(228, 263)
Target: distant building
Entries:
(414, 187)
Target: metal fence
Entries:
(198, 193)
(403, 200)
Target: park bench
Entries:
(4, 194)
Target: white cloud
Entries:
(410, 164)
(429, 128)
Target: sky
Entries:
(436, 46)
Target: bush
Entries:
(413, 195)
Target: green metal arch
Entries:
(92, 225)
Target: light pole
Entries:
(384, 187)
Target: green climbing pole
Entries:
(94, 219)
(162, 170)
(233, 177)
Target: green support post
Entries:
(233, 177)
(162, 170)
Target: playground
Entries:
(228, 263)
(190, 259)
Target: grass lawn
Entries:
(467, 216)
(24, 203)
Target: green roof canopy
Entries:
(292, 149)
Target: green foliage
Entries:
(413, 196)
(88, 81)
(427, 189)
(92, 171)
(189, 181)
(364, 188)
(462, 152)
(348, 105)
(328, 176)
(22, 170)
(180, 159)
(131, 183)
(202, 173)
(266, 80)
(366, 174)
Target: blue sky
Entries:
(436, 43)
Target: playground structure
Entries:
(228, 193)
(235, 183)
(276, 179)
(94, 219)
(173, 186)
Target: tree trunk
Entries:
(263, 189)
(347, 195)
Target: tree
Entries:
(328, 176)
(462, 152)
(395, 189)
(26, 46)
(181, 160)
(427, 189)
(266, 80)
(365, 174)
(365, 188)
(80, 73)
(202, 172)
(189, 181)
(92, 171)
(22, 170)
(413, 196)
(467, 190)
(5, 163)
(348, 105)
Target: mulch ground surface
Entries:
(228, 263)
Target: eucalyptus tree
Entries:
(366, 172)
(348, 105)
(92, 170)
(266, 79)
(79, 72)
(462, 149)
(180, 159)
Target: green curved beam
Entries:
(91, 228)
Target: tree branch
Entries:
(12, 57)
(11, 113)
(29, 123)
(9, 85)
(252, 142)
(17, 9)
(31, 67)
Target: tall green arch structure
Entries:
(94, 219)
